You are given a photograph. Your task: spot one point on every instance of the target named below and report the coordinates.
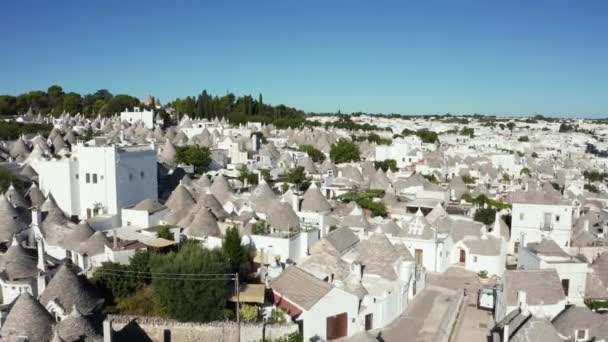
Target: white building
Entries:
(138, 114)
(540, 291)
(537, 215)
(100, 180)
(548, 255)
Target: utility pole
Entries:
(238, 305)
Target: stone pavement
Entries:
(473, 324)
(421, 321)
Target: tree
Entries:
(195, 298)
(316, 155)
(485, 215)
(297, 177)
(197, 156)
(235, 253)
(534, 155)
(523, 138)
(344, 151)
(7, 178)
(246, 175)
(467, 131)
(265, 173)
(510, 126)
(387, 164)
(164, 232)
(427, 137)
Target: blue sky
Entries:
(414, 57)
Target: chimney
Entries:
(586, 225)
(114, 240)
(40, 249)
(522, 302)
(36, 219)
(295, 202)
(254, 142)
(107, 329)
(496, 229)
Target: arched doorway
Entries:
(463, 256)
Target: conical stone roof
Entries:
(70, 290)
(204, 224)
(27, 318)
(10, 221)
(314, 201)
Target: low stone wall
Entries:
(448, 323)
(164, 330)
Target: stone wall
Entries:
(164, 330)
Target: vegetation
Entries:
(595, 176)
(261, 228)
(387, 164)
(297, 177)
(468, 179)
(467, 131)
(10, 130)
(534, 155)
(375, 138)
(525, 171)
(55, 101)
(164, 232)
(316, 155)
(591, 188)
(431, 178)
(523, 138)
(7, 178)
(565, 128)
(344, 151)
(195, 155)
(424, 134)
(154, 285)
(236, 254)
(247, 175)
(249, 313)
(511, 125)
(485, 215)
(365, 199)
(483, 200)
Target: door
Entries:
(337, 326)
(463, 256)
(369, 321)
(418, 254)
(547, 221)
(566, 285)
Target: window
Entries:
(88, 213)
(521, 216)
(87, 178)
(76, 176)
(94, 178)
(566, 286)
(474, 259)
(556, 218)
(141, 175)
(581, 334)
(130, 176)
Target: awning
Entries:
(250, 293)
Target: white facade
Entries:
(335, 302)
(283, 248)
(138, 114)
(570, 270)
(100, 180)
(533, 222)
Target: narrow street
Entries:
(473, 324)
